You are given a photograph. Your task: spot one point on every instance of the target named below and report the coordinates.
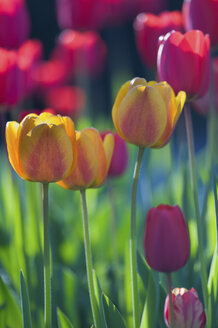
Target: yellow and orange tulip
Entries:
(93, 160)
(42, 147)
(145, 113)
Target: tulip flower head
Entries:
(93, 160)
(119, 159)
(183, 61)
(42, 148)
(187, 309)
(145, 113)
(149, 27)
(166, 241)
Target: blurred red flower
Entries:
(82, 52)
(66, 100)
(183, 61)
(14, 23)
(148, 27)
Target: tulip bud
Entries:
(185, 55)
(93, 160)
(148, 27)
(119, 159)
(42, 148)
(145, 113)
(166, 241)
(187, 309)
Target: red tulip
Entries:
(202, 15)
(148, 28)
(82, 52)
(187, 308)
(66, 100)
(166, 241)
(184, 62)
(202, 106)
(50, 74)
(11, 78)
(120, 155)
(14, 23)
(29, 55)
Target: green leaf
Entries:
(113, 316)
(25, 305)
(10, 313)
(143, 269)
(63, 321)
(99, 296)
(150, 315)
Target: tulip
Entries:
(119, 159)
(187, 309)
(14, 23)
(145, 113)
(202, 15)
(202, 105)
(82, 52)
(26, 112)
(185, 55)
(166, 241)
(66, 100)
(149, 27)
(29, 55)
(42, 148)
(93, 160)
(11, 78)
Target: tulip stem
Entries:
(133, 254)
(169, 290)
(88, 255)
(47, 269)
(189, 131)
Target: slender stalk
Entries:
(171, 311)
(88, 255)
(196, 202)
(133, 254)
(47, 268)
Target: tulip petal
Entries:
(142, 116)
(13, 147)
(115, 110)
(46, 153)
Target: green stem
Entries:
(88, 255)
(47, 269)
(133, 254)
(196, 202)
(171, 311)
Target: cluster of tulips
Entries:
(47, 148)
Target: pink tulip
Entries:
(202, 15)
(166, 241)
(149, 27)
(14, 23)
(184, 62)
(120, 155)
(187, 308)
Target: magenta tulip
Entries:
(149, 27)
(184, 62)
(166, 241)
(120, 155)
(202, 15)
(187, 309)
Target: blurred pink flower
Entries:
(14, 23)
(148, 27)
(120, 155)
(66, 100)
(82, 52)
(188, 310)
